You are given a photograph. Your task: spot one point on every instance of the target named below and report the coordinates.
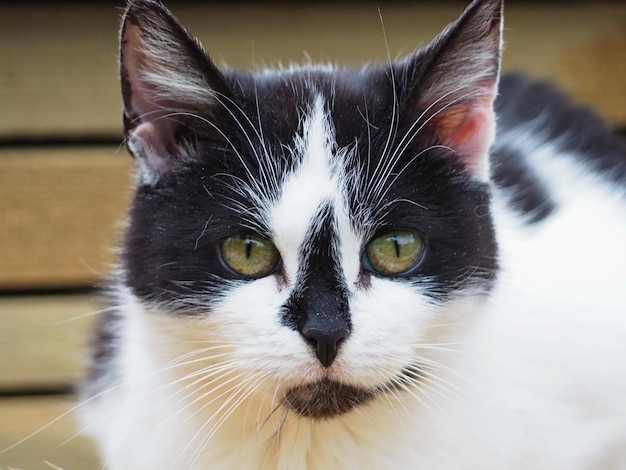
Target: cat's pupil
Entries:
(396, 246)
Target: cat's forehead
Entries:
(280, 101)
(313, 179)
(313, 191)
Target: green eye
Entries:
(393, 253)
(249, 255)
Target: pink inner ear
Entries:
(468, 129)
(152, 133)
(133, 60)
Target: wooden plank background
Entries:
(43, 342)
(56, 446)
(60, 212)
(65, 182)
(43, 347)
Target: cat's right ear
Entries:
(166, 79)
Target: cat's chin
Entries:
(327, 398)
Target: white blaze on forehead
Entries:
(312, 182)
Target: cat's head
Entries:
(320, 227)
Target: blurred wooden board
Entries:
(44, 340)
(44, 345)
(48, 449)
(58, 70)
(60, 213)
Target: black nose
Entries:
(325, 341)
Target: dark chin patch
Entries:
(326, 399)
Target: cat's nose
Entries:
(325, 341)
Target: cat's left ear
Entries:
(455, 83)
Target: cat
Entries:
(416, 265)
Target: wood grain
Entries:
(58, 71)
(44, 340)
(60, 210)
(47, 449)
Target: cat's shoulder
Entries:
(548, 147)
(534, 113)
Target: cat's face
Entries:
(320, 229)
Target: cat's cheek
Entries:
(390, 319)
(249, 319)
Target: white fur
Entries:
(163, 65)
(311, 184)
(533, 376)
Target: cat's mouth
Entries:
(327, 398)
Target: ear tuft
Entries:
(165, 76)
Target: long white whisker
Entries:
(86, 315)
(59, 418)
(418, 124)
(246, 388)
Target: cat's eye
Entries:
(249, 255)
(393, 253)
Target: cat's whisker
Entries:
(86, 315)
(245, 388)
(234, 147)
(221, 389)
(444, 347)
(85, 402)
(182, 360)
(432, 383)
(200, 376)
(203, 373)
(396, 175)
(412, 132)
(60, 417)
(368, 161)
(269, 180)
(248, 388)
(426, 364)
(171, 411)
(414, 392)
(394, 401)
(276, 435)
(383, 185)
(407, 139)
(204, 404)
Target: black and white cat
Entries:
(326, 268)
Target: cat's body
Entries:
(500, 345)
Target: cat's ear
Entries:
(456, 80)
(166, 78)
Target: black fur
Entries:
(318, 307)
(106, 340)
(527, 193)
